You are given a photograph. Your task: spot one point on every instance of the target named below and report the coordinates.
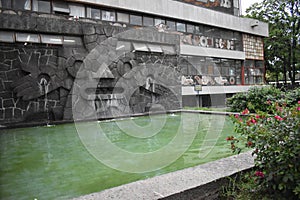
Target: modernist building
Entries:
(43, 43)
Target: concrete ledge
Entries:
(182, 184)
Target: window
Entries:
(136, 20)
(61, 7)
(6, 36)
(148, 21)
(158, 21)
(22, 4)
(190, 28)
(26, 37)
(171, 25)
(51, 39)
(155, 48)
(77, 10)
(123, 17)
(41, 6)
(140, 47)
(108, 15)
(93, 13)
(180, 27)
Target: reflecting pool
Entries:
(54, 163)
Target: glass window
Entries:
(93, 13)
(61, 7)
(6, 36)
(5, 4)
(180, 27)
(21, 4)
(123, 17)
(171, 25)
(108, 15)
(140, 47)
(77, 10)
(25, 37)
(148, 21)
(158, 21)
(41, 6)
(190, 28)
(155, 48)
(51, 39)
(136, 20)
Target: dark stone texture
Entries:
(7, 85)
(14, 75)
(7, 103)
(10, 55)
(17, 113)
(6, 94)
(88, 29)
(90, 38)
(22, 104)
(4, 67)
(2, 114)
(8, 113)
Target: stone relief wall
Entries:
(37, 81)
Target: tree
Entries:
(282, 49)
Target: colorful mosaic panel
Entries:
(253, 47)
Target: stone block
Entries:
(53, 60)
(3, 76)
(68, 83)
(89, 38)
(2, 113)
(100, 30)
(7, 85)
(6, 94)
(9, 112)
(18, 114)
(4, 67)
(43, 60)
(10, 55)
(91, 46)
(109, 30)
(88, 29)
(101, 38)
(22, 104)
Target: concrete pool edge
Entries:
(12, 125)
(182, 184)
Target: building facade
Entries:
(175, 52)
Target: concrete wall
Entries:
(183, 11)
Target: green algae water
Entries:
(52, 162)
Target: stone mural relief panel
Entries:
(226, 6)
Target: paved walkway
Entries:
(176, 182)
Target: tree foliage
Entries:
(282, 49)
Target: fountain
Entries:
(44, 88)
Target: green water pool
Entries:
(53, 162)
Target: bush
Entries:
(258, 99)
(274, 134)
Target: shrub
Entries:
(258, 98)
(275, 137)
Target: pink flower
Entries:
(257, 116)
(278, 118)
(298, 102)
(253, 121)
(259, 174)
(245, 112)
(298, 108)
(268, 102)
(237, 116)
